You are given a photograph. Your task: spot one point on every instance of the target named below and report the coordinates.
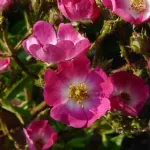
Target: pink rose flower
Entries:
(133, 11)
(44, 45)
(4, 63)
(130, 93)
(40, 135)
(79, 95)
(76, 10)
(4, 4)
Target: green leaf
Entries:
(16, 88)
(112, 143)
(7, 106)
(76, 143)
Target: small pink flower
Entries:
(4, 63)
(44, 45)
(40, 135)
(4, 4)
(133, 11)
(76, 10)
(130, 93)
(79, 95)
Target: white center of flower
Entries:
(78, 92)
(138, 5)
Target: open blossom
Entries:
(130, 93)
(40, 135)
(79, 95)
(133, 11)
(78, 10)
(4, 4)
(4, 63)
(44, 45)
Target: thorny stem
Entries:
(38, 108)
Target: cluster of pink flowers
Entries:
(79, 94)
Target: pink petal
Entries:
(107, 3)
(44, 32)
(98, 81)
(61, 7)
(124, 10)
(72, 50)
(67, 32)
(40, 129)
(79, 9)
(118, 104)
(130, 84)
(4, 63)
(82, 47)
(77, 69)
(95, 11)
(28, 42)
(96, 108)
(48, 54)
(69, 48)
(54, 90)
(29, 140)
(73, 116)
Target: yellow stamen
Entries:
(138, 5)
(78, 92)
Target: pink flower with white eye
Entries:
(78, 10)
(44, 45)
(40, 135)
(79, 95)
(4, 63)
(130, 93)
(4, 4)
(133, 11)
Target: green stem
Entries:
(38, 108)
(27, 19)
